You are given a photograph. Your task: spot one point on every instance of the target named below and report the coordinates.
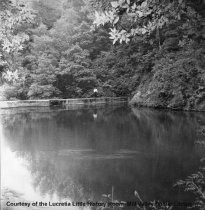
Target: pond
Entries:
(57, 155)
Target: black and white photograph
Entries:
(102, 104)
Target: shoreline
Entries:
(62, 102)
(81, 102)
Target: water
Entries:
(78, 155)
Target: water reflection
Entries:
(78, 155)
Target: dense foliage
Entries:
(158, 52)
(170, 46)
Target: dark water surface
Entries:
(81, 154)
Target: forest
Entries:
(150, 51)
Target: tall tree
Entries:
(15, 18)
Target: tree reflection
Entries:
(74, 155)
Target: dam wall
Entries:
(63, 102)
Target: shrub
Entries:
(42, 92)
(195, 183)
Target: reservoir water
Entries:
(80, 155)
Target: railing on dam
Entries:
(63, 102)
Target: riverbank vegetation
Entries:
(195, 183)
(154, 51)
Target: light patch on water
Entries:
(17, 183)
(15, 176)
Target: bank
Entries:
(63, 102)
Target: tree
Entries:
(60, 58)
(43, 79)
(48, 11)
(171, 43)
(72, 37)
(130, 18)
(14, 20)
